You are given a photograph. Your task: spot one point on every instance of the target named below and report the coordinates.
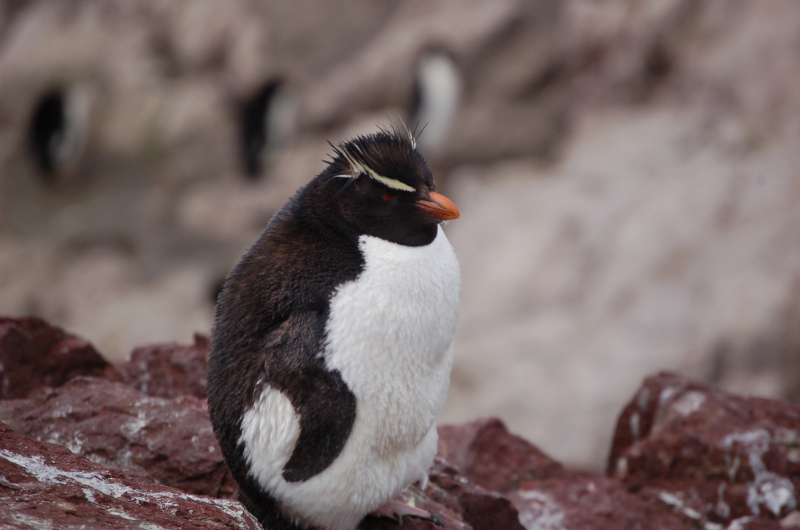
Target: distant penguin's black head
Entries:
(380, 185)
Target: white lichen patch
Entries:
(768, 489)
(622, 467)
(688, 402)
(135, 426)
(32, 522)
(540, 512)
(664, 399)
(740, 523)
(117, 512)
(124, 457)
(75, 444)
(679, 505)
(89, 494)
(96, 483)
(773, 491)
(59, 413)
(721, 508)
(634, 423)
(787, 437)
(758, 439)
(676, 502)
(230, 507)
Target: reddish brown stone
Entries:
(684, 456)
(708, 453)
(168, 370)
(47, 486)
(116, 426)
(459, 504)
(433, 500)
(486, 511)
(539, 491)
(643, 411)
(485, 452)
(480, 508)
(34, 354)
(584, 501)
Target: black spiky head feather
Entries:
(371, 186)
(389, 156)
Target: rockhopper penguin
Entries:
(333, 340)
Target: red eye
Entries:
(388, 197)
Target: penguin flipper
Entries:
(321, 399)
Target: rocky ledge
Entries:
(88, 445)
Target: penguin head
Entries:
(380, 185)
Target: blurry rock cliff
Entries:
(627, 173)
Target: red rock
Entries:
(109, 423)
(491, 457)
(753, 523)
(459, 504)
(168, 370)
(47, 486)
(433, 500)
(590, 502)
(34, 354)
(480, 508)
(708, 454)
(684, 456)
(538, 491)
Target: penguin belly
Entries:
(390, 335)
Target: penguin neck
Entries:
(314, 206)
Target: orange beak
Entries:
(439, 206)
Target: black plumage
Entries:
(271, 314)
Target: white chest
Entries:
(390, 335)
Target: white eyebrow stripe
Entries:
(391, 183)
(365, 169)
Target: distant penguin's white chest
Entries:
(390, 335)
